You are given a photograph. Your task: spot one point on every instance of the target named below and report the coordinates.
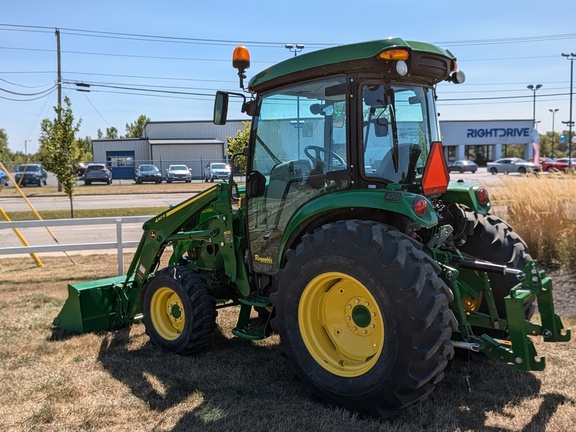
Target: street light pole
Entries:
(534, 89)
(570, 57)
(553, 111)
(295, 48)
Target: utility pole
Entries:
(59, 84)
(59, 78)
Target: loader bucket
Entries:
(93, 306)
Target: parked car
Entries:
(97, 173)
(3, 178)
(565, 160)
(462, 166)
(549, 164)
(511, 165)
(216, 170)
(147, 173)
(31, 174)
(80, 169)
(178, 173)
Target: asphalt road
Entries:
(17, 203)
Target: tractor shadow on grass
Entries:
(215, 388)
(475, 394)
(237, 384)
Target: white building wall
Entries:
(462, 133)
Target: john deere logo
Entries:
(263, 260)
(152, 234)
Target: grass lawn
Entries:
(115, 380)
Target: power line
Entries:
(206, 41)
(501, 97)
(29, 100)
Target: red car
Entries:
(550, 165)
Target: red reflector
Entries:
(420, 206)
(436, 177)
(483, 196)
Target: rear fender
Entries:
(393, 201)
(466, 194)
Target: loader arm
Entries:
(205, 219)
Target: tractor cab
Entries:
(368, 124)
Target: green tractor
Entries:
(347, 239)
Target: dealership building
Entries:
(485, 140)
(197, 143)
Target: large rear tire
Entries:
(363, 317)
(179, 311)
(495, 241)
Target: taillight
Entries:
(483, 197)
(420, 206)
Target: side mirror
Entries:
(220, 108)
(255, 184)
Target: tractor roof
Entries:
(345, 58)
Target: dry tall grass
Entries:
(115, 381)
(542, 210)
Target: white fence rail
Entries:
(119, 244)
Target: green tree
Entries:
(111, 133)
(135, 129)
(59, 150)
(4, 150)
(236, 145)
(85, 148)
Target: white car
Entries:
(511, 165)
(178, 173)
(216, 170)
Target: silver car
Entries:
(511, 165)
(178, 173)
(97, 173)
(216, 170)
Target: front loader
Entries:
(347, 238)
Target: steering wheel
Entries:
(336, 160)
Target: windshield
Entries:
(219, 166)
(399, 125)
(304, 124)
(148, 168)
(28, 168)
(178, 168)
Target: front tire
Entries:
(179, 311)
(363, 317)
(493, 171)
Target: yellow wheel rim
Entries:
(471, 304)
(167, 313)
(341, 324)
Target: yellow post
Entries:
(27, 200)
(22, 239)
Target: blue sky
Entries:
(502, 46)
